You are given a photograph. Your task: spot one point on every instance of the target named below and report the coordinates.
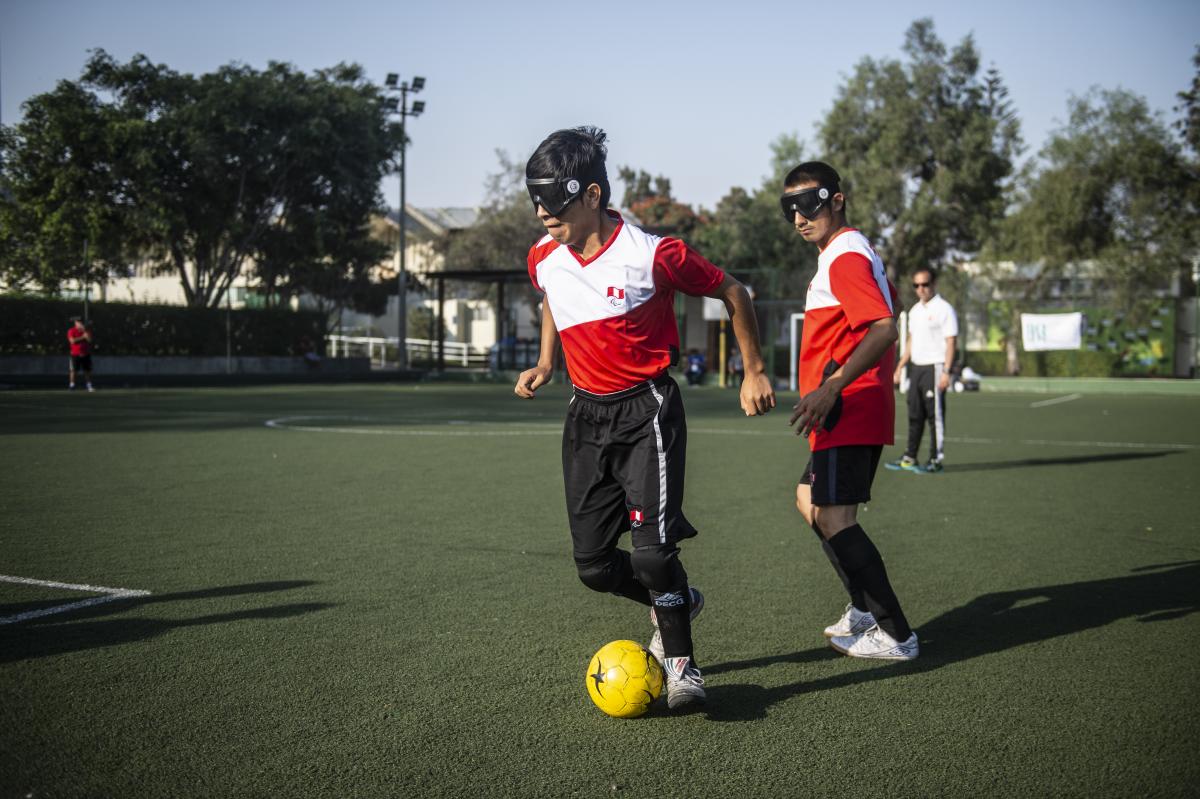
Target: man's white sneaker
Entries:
(685, 686)
(852, 622)
(877, 644)
(655, 647)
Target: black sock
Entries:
(674, 621)
(862, 562)
(856, 595)
(629, 587)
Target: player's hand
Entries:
(532, 379)
(896, 377)
(757, 395)
(810, 412)
(944, 381)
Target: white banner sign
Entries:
(1051, 331)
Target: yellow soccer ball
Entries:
(623, 679)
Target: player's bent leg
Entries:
(611, 572)
(863, 562)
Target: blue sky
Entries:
(696, 91)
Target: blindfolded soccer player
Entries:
(846, 407)
(609, 297)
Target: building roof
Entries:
(436, 221)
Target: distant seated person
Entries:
(735, 367)
(308, 352)
(695, 367)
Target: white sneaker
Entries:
(90, 387)
(877, 644)
(685, 686)
(655, 647)
(852, 622)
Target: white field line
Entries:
(287, 423)
(1055, 401)
(109, 595)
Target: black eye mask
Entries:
(553, 194)
(806, 202)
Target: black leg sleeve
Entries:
(863, 563)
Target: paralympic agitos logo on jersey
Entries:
(616, 296)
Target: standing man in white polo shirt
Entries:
(929, 352)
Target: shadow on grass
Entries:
(984, 626)
(1076, 460)
(80, 630)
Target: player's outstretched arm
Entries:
(531, 380)
(757, 395)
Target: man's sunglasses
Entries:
(806, 202)
(553, 194)
(922, 285)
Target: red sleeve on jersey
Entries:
(679, 267)
(853, 283)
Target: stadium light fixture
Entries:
(397, 105)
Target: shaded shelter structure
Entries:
(500, 278)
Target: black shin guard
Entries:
(673, 609)
(862, 562)
(856, 595)
(629, 587)
(612, 572)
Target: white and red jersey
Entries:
(615, 312)
(848, 293)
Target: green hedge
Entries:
(1049, 364)
(31, 326)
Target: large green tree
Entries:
(925, 146)
(204, 174)
(61, 208)
(1112, 188)
(747, 235)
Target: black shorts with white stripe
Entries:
(842, 475)
(623, 466)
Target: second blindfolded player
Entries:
(846, 408)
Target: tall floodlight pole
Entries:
(399, 105)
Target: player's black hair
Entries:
(76, 319)
(932, 273)
(816, 172)
(573, 153)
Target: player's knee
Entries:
(601, 573)
(832, 519)
(658, 568)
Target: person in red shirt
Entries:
(80, 339)
(609, 297)
(846, 408)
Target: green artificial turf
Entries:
(385, 604)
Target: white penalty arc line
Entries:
(1055, 401)
(286, 423)
(110, 594)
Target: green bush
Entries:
(33, 326)
(1048, 364)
